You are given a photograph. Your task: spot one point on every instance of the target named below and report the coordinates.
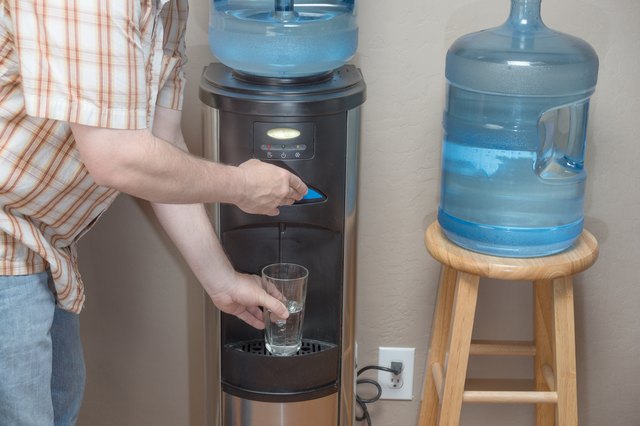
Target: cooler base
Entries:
(243, 412)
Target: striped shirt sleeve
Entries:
(83, 61)
(174, 17)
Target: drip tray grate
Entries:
(257, 347)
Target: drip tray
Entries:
(257, 347)
(248, 370)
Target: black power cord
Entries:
(362, 403)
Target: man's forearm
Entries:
(148, 166)
(189, 228)
(188, 225)
(142, 164)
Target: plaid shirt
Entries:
(104, 63)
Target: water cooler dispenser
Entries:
(283, 95)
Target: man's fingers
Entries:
(256, 312)
(298, 186)
(275, 306)
(250, 319)
(273, 291)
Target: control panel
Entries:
(283, 141)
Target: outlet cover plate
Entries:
(386, 355)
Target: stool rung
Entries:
(499, 391)
(506, 391)
(502, 347)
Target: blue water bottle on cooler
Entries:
(283, 38)
(513, 177)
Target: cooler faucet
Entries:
(284, 10)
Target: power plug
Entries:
(400, 385)
(396, 378)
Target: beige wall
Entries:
(145, 352)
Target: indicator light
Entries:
(283, 133)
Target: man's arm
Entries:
(144, 165)
(188, 225)
(234, 293)
(189, 228)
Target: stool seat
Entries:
(553, 389)
(579, 257)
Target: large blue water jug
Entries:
(513, 176)
(283, 38)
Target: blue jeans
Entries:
(41, 363)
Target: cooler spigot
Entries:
(283, 10)
(284, 5)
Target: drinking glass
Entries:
(288, 283)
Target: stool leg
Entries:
(565, 352)
(464, 309)
(438, 346)
(543, 333)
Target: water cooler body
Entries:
(310, 127)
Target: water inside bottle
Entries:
(493, 201)
(312, 39)
(514, 187)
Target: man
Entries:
(90, 93)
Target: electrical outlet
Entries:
(398, 386)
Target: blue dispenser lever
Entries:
(312, 196)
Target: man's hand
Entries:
(243, 297)
(265, 187)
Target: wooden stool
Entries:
(554, 388)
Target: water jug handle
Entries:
(562, 132)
